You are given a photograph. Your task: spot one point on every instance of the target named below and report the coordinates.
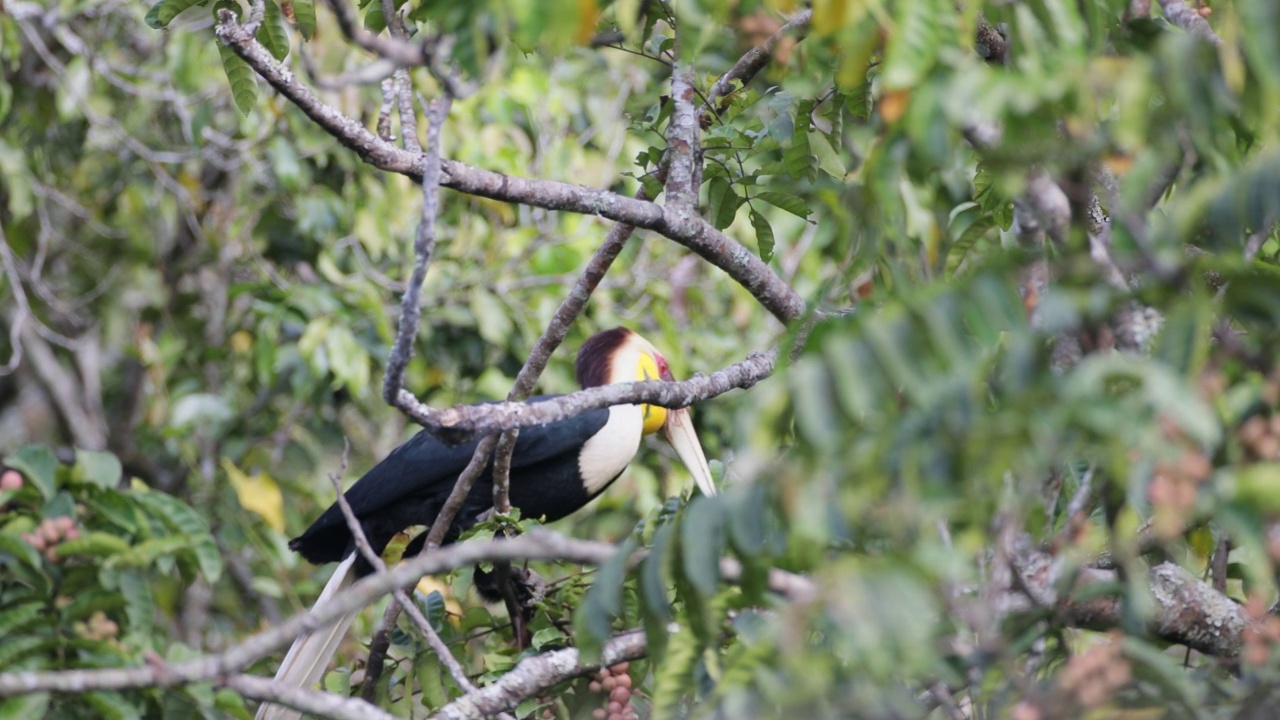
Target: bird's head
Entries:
(620, 355)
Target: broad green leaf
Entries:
(101, 469)
(722, 202)
(93, 544)
(594, 617)
(111, 705)
(303, 14)
(272, 33)
(764, 235)
(797, 158)
(24, 707)
(243, 80)
(139, 604)
(701, 542)
(163, 12)
(38, 464)
(791, 203)
(493, 318)
(179, 516)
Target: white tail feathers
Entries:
(307, 659)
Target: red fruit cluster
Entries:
(617, 683)
(49, 533)
(10, 480)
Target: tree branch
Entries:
(540, 544)
(682, 145)
(535, 674)
(693, 232)
(312, 702)
(462, 422)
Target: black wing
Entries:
(409, 485)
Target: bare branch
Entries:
(312, 702)
(400, 51)
(757, 57)
(424, 244)
(1188, 611)
(459, 423)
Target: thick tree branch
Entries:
(682, 145)
(1188, 611)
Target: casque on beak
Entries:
(678, 429)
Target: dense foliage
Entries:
(1038, 237)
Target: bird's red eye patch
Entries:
(663, 369)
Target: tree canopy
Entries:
(977, 305)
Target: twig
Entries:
(750, 64)
(424, 244)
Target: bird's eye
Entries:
(663, 369)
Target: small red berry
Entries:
(10, 480)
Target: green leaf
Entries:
(304, 15)
(722, 202)
(272, 34)
(764, 235)
(16, 648)
(594, 618)
(791, 203)
(673, 676)
(243, 81)
(93, 544)
(24, 707)
(701, 542)
(797, 158)
(20, 617)
(163, 12)
(139, 604)
(38, 464)
(111, 705)
(493, 318)
(175, 514)
(101, 469)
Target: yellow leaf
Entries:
(258, 494)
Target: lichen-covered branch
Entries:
(1188, 611)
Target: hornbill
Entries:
(555, 470)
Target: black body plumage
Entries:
(411, 484)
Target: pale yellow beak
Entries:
(678, 430)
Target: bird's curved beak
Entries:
(679, 432)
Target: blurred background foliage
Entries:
(200, 289)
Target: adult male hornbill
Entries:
(555, 470)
